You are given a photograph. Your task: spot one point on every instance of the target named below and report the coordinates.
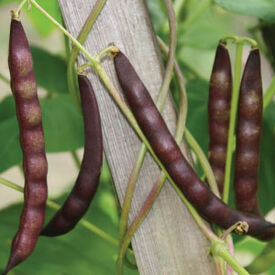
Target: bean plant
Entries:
(224, 113)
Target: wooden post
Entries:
(169, 241)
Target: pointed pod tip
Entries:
(48, 233)
(44, 232)
(8, 268)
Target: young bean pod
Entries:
(87, 181)
(29, 118)
(219, 111)
(249, 130)
(166, 149)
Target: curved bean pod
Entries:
(29, 118)
(87, 181)
(166, 149)
(249, 130)
(219, 111)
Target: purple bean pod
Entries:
(154, 128)
(87, 181)
(249, 130)
(23, 86)
(219, 112)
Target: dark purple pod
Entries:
(166, 149)
(249, 130)
(87, 181)
(220, 87)
(28, 112)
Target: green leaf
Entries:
(197, 119)
(10, 153)
(202, 36)
(263, 9)
(264, 261)
(267, 161)
(206, 30)
(78, 252)
(4, 2)
(50, 70)
(7, 108)
(62, 123)
(43, 25)
(197, 60)
(157, 14)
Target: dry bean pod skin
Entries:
(29, 117)
(87, 181)
(197, 192)
(249, 130)
(219, 112)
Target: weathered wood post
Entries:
(169, 241)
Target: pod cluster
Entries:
(168, 152)
(29, 118)
(32, 143)
(248, 134)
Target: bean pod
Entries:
(249, 130)
(219, 112)
(29, 118)
(87, 181)
(166, 149)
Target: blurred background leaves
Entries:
(201, 23)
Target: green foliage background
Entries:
(83, 252)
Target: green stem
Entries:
(233, 113)
(203, 161)
(268, 96)
(16, 13)
(66, 44)
(264, 261)
(76, 159)
(160, 104)
(4, 79)
(77, 45)
(172, 50)
(71, 75)
(109, 50)
(81, 68)
(113, 49)
(56, 206)
(75, 41)
(258, 38)
(110, 87)
(218, 249)
(249, 41)
(204, 228)
(239, 40)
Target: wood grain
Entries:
(169, 241)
